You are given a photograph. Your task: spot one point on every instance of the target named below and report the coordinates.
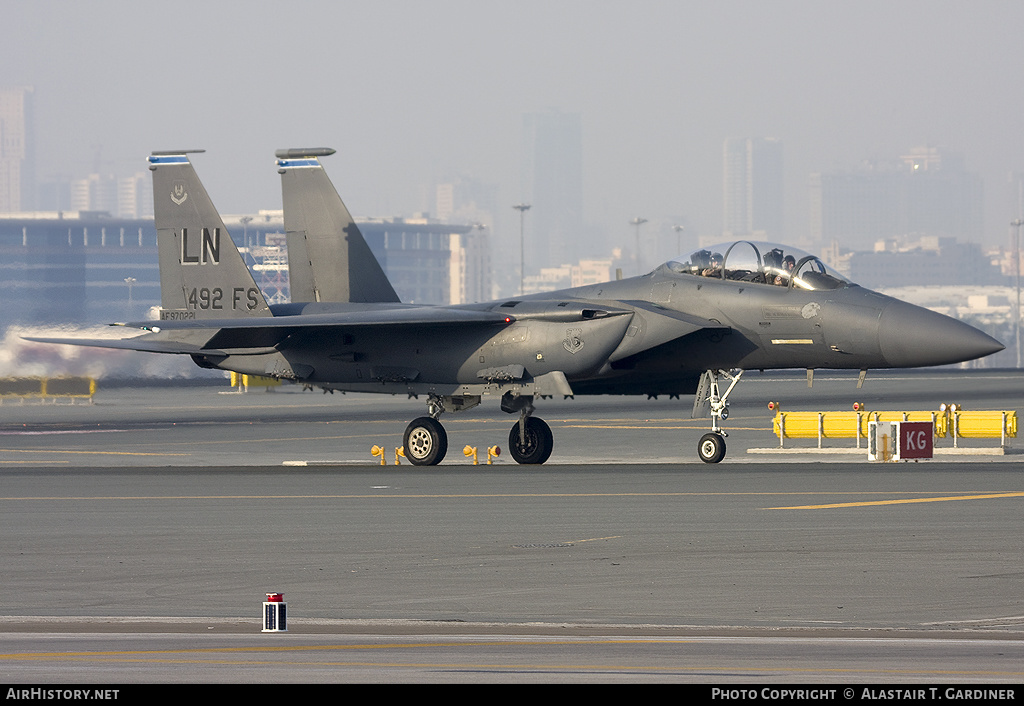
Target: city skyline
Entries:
(853, 209)
(443, 90)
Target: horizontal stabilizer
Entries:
(138, 343)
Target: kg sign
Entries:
(914, 440)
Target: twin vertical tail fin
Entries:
(328, 258)
(202, 274)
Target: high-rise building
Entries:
(465, 199)
(135, 196)
(17, 150)
(923, 193)
(96, 192)
(553, 186)
(468, 200)
(470, 267)
(753, 187)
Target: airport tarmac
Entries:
(212, 426)
(142, 532)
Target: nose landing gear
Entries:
(711, 448)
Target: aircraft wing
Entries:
(411, 316)
(261, 335)
(651, 326)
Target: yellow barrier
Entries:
(247, 381)
(48, 388)
(854, 425)
(984, 424)
(845, 425)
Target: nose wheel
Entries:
(711, 448)
(710, 398)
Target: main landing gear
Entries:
(530, 440)
(425, 441)
(711, 448)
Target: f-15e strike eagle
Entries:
(690, 326)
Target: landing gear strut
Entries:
(711, 448)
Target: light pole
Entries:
(638, 221)
(129, 281)
(245, 220)
(679, 238)
(522, 208)
(1016, 272)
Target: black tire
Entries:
(425, 442)
(536, 446)
(711, 448)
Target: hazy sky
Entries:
(409, 91)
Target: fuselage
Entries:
(622, 337)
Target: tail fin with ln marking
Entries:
(202, 274)
(328, 258)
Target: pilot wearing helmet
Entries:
(788, 265)
(700, 260)
(714, 269)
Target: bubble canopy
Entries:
(759, 263)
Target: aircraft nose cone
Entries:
(910, 336)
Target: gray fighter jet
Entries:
(692, 325)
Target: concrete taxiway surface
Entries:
(211, 426)
(141, 533)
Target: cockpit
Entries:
(759, 263)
